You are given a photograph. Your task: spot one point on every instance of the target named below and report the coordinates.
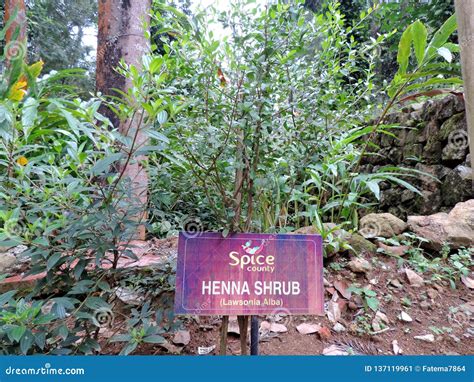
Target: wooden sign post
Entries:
(249, 274)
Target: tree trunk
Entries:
(465, 18)
(121, 36)
(15, 44)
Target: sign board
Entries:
(249, 274)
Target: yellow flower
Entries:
(22, 161)
(18, 91)
(36, 68)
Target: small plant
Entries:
(368, 296)
(141, 330)
(406, 301)
(363, 324)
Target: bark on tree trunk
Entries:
(121, 35)
(465, 19)
(15, 46)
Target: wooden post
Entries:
(243, 328)
(254, 335)
(465, 19)
(223, 339)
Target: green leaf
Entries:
(419, 35)
(26, 342)
(16, 333)
(104, 163)
(6, 297)
(404, 48)
(441, 36)
(372, 303)
(121, 338)
(162, 117)
(129, 348)
(154, 339)
(95, 303)
(373, 186)
(29, 114)
(52, 260)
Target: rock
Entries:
(467, 282)
(359, 245)
(455, 228)
(328, 227)
(306, 328)
(396, 349)
(394, 250)
(381, 225)
(341, 286)
(7, 260)
(454, 338)
(457, 186)
(324, 333)
(182, 337)
(339, 328)
(396, 283)
(425, 338)
(413, 278)
(334, 350)
(380, 321)
(405, 317)
(334, 310)
(425, 305)
(432, 293)
(359, 265)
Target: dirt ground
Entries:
(435, 308)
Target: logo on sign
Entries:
(253, 259)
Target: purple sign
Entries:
(248, 273)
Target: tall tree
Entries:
(464, 15)
(121, 35)
(15, 38)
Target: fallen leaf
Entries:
(182, 337)
(278, 328)
(468, 282)
(334, 311)
(334, 350)
(341, 286)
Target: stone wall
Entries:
(430, 137)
